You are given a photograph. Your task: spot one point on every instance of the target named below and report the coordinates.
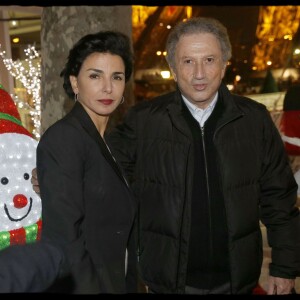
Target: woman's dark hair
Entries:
(113, 42)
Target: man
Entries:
(206, 166)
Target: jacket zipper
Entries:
(207, 186)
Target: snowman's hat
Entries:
(10, 120)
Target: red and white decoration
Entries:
(20, 206)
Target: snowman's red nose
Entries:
(20, 201)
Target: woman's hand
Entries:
(34, 181)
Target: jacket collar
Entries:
(87, 124)
(175, 108)
(230, 110)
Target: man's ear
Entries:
(173, 74)
(224, 70)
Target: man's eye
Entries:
(210, 60)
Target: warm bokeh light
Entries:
(165, 74)
(15, 40)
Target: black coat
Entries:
(155, 146)
(88, 214)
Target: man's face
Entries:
(199, 67)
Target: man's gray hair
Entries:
(198, 25)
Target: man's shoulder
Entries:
(158, 101)
(246, 102)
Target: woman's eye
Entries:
(118, 77)
(94, 76)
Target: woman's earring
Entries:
(76, 97)
(122, 101)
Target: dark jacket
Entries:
(88, 214)
(155, 147)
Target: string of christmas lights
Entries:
(28, 72)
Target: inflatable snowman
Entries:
(20, 206)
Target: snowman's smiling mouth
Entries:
(19, 219)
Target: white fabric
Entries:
(297, 177)
(201, 115)
(291, 140)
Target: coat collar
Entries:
(230, 110)
(87, 124)
(175, 108)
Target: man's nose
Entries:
(199, 71)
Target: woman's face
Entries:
(100, 83)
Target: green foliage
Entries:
(269, 85)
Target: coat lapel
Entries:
(87, 124)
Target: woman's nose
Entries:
(107, 85)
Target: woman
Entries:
(88, 209)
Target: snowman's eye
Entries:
(4, 180)
(26, 176)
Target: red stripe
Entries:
(39, 231)
(17, 236)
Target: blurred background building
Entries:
(265, 41)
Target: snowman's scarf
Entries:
(10, 118)
(24, 235)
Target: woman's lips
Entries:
(106, 101)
